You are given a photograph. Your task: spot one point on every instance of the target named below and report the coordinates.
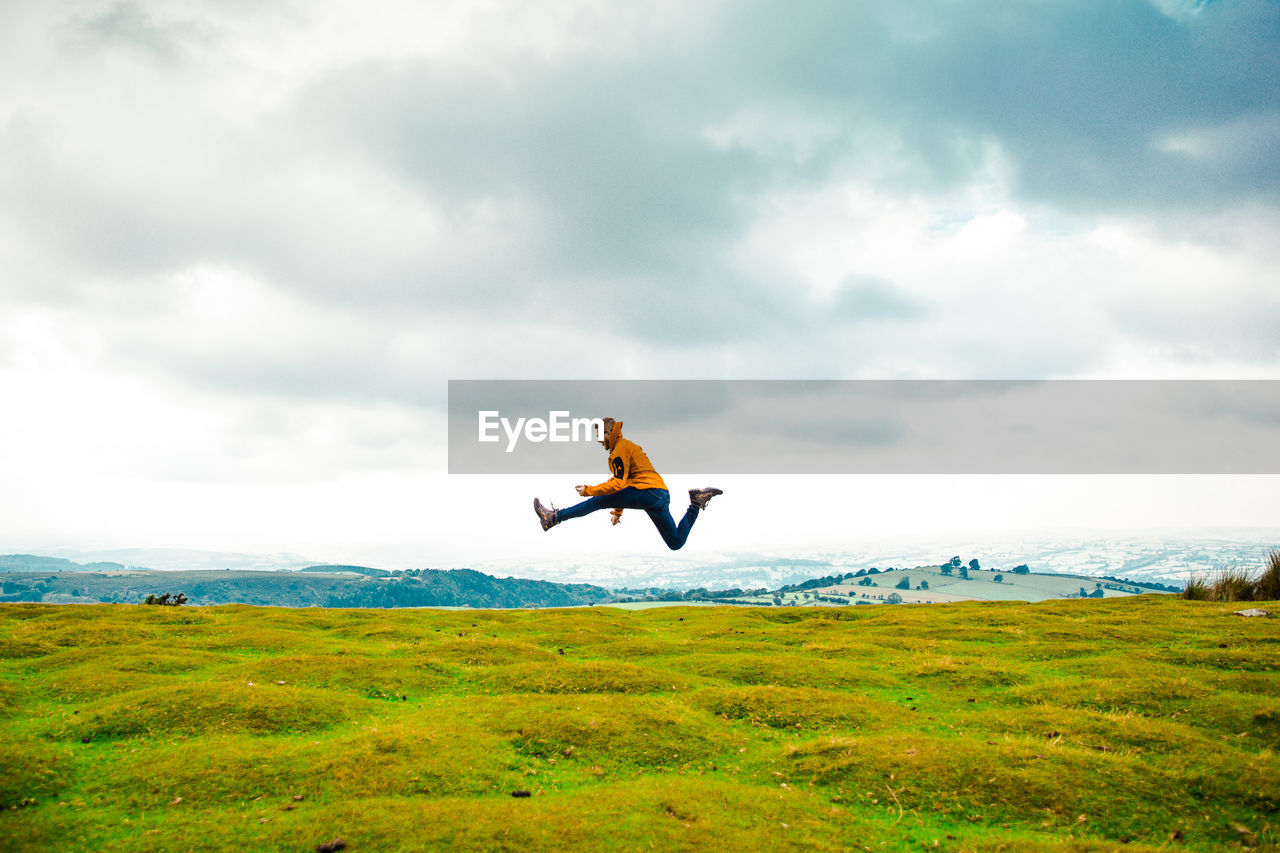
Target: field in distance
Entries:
(1147, 721)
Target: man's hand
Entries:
(616, 516)
(582, 491)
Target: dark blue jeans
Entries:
(656, 502)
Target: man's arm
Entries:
(621, 466)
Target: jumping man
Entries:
(634, 485)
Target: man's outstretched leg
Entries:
(628, 498)
(655, 502)
(676, 535)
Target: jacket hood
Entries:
(614, 433)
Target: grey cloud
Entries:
(1078, 94)
(131, 25)
(633, 213)
(585, 191)
(870, 299)
(609, 155)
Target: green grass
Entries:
(1146, 723)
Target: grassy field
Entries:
(1146, 722)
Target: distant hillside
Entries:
(412, 588)
(936, 584)
(353, 570)
(919, 585)
(59, 581)
(33, 563)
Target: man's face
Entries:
(604, 435)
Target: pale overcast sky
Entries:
(244, 245)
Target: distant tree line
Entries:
(675, 595)
(830, 580)
(413, 588)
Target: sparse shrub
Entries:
(1237, 584)
(1197, 589)
(1233, 584)
(1267, 587)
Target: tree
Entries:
(964, 573)
(893, 598)
(973, 566)
(923, 585)
(1022, 570)
(998, 579)
(955, 562)
(168, 599)
(947, 569)
(905, 583)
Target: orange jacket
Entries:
(630, 467)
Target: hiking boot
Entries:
(547, 515)
(701, 497)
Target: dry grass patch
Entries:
(204, 709)
(616, 731)
(794, 707)
(489, 651)
(759, 667)
(363, 674)
(565, 676)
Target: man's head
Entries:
(611, 432)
